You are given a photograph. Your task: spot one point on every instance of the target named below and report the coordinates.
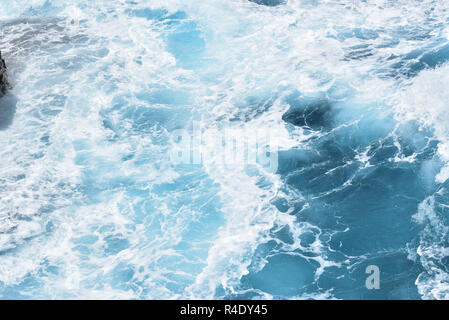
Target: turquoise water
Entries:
(352, 94)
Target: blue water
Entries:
(354, 92)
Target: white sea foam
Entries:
(433, 282)
(426, 100)
(63, 167)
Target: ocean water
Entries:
(352, 95)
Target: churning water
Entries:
(355, 94)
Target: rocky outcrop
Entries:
(4, 85)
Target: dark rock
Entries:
(4, 85)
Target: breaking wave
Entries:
(353, 95)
